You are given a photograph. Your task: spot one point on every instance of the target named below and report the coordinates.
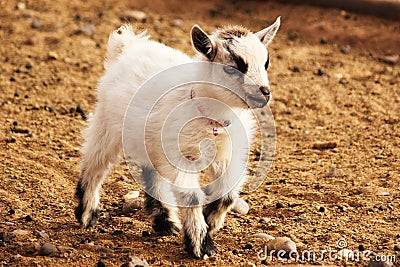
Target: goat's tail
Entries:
(120, 39)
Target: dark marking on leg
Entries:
(79, 194)
(193, 199)
(217, 205)
(210, 208)
(207, 246)
(189, 246)
(227, 201)
(160, 215)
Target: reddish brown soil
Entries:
(49, 69)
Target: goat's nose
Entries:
(265, 90)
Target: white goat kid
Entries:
(131, 60)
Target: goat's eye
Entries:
(267, 64)
(229, 70)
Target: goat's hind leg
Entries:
(160, 203)
(99, 153)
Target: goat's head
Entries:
(240, 49)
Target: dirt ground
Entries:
(331, 81)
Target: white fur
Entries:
(131, 60)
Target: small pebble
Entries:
(321, 209)
(345, 49)
(105, 250)
(241, 206)
(135, 262)
(102, 230)
(80, 111)
(361, 247)
(145, 233)
(282, 243)
(248, 246)
(131, 195)
(135, 15)
(320, 72)
(52, 56)
(6, 236)
(21, 6)
(87, 29)
(383, 207)
(334, 173)
(303, 219)
(324, 145)
(126, 180)
(279, 205)
(177, 23)
(296, 69)
(28, 218)
(263, 235)
(41, 234)
(117, 232)
(390, 59)
(101, 264)
(266, 220)
(293, 35)
(323, 40)
(20, 232)
(132, 206)
(36, 24)
(396, 248)
(29, 41)
(32, 248)
(373, 263)
(47, 249)
(382, 193)
(65, 249)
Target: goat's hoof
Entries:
(207, 247)
(166, 228)
(86, 221)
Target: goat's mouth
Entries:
(256, 102)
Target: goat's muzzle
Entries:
(258, 100)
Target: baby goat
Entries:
(131, 60)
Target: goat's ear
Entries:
(202, 42)
(266, 35)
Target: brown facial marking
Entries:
(230, 32)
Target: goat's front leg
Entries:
(190, 198)
(160, 203)
(223, 193)
(215, 212)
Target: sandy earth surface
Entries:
(331, 82)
